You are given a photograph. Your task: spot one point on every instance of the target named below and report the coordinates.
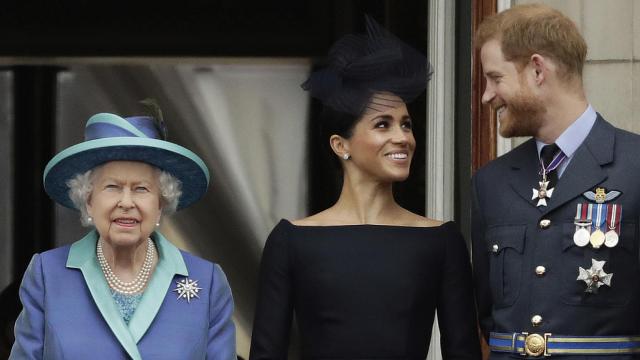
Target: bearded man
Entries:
(555, 221)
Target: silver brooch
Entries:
(595, 276)
(187, 289)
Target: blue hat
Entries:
(109, 137)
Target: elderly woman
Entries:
(124, 291)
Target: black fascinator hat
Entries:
(360, 66)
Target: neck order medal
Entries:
(542, 194)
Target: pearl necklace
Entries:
(136, 285)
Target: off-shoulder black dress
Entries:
(365, 292)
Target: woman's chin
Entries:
(398, 175)
(125, 239)
(394, 178)
(400, 178)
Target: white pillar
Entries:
(440, 125)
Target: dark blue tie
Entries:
(547, 153)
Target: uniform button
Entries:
(545, 223)
(536, 320)
(540, 270)
(495, 248)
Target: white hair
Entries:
(81, 186)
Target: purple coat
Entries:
(69, 312)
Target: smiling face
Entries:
(382, 143)
(509, 92)
(125, 202)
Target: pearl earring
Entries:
(89, 219)
(346, 156)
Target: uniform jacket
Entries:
(69, 312)
(510, 241)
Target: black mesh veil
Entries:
(360, 66)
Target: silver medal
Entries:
(581, 237)
(611, 239)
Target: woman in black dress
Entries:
(365, 277)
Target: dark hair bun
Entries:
(360, 66)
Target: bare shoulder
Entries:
(323, 218)
(333, 216)
(308, 221)
(420, 221)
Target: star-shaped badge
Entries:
(542, 194)
(187, 289)
(595, 276)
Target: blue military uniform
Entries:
(527, 261)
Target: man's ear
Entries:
(540, 67)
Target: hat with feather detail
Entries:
(361, 66)
(109, 137)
